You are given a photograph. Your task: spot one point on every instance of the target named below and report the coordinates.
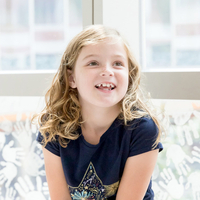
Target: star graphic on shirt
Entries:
(91, 187)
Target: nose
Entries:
(106, 71)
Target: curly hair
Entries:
(61, 116)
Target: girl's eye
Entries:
(93, 63)
(118, 64)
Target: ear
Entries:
(71, 79)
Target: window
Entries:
(34, 33)
(172, 34)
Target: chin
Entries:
(107, 104)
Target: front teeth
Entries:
(106, 85)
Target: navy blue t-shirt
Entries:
(94, 171)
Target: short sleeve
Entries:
(53, 147)
(143, 137)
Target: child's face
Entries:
(103, 63)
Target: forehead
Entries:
(107, 47)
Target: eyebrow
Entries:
(91, 55)
(95, 55)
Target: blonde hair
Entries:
(61, 116)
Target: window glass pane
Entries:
(34, 33)
(177, 173)
(14, 35)
(48, 12)
(172, 34)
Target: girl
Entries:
(100, 140)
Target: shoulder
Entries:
(53, 146)
(143, 134)
(143, 125)
(140, 126)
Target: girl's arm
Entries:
(136, 176)
(55, 176)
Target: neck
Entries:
(99, 119)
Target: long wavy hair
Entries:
(61, 117)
